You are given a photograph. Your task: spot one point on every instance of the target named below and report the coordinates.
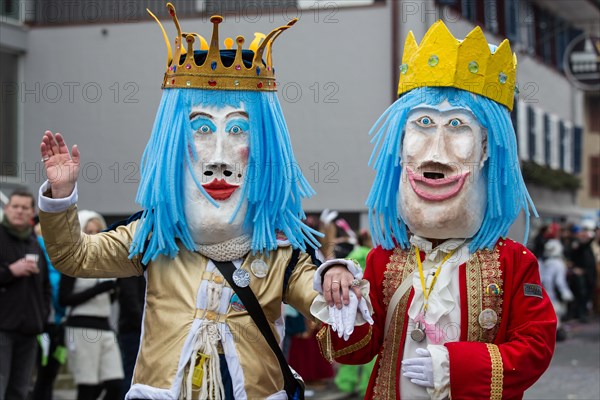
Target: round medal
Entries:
(417, 334)
(241, 277)
(488, 318)
(259, 268)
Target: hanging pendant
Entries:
(241, 277)
(418, 334)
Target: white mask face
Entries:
(222, 144)
(442, 190)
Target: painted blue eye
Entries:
(204, 129)
(424, 121)
(455, 122)
(236, 130)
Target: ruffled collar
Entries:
(441, 301)
(438, 252)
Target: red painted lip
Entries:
(420, 184)
(218, 189)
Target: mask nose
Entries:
(437, 150)
(218, 169)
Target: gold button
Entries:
(218, 279)
(211, 315)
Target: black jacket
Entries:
(24, 301)
(132, 297)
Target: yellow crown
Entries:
(443, 60)
(212, 73)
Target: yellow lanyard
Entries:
(426, 293)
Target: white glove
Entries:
(342, 320)
(567, 296)
(420, 369)
(327, 216)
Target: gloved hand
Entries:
(342, 320)
(419, 369)
(327, 216)
(567, 296)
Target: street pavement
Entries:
(575, 369)
(574, 373)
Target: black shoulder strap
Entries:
(291, 385)
(289, 269)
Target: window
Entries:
(493, 14)
(514, 118)
(592, 107)
(522, 129)
(562, 139)
(545, 41)
(577, 149)
(9, 9)
(547, 142)
(562, 40)
(511, 20)
(531, 133)
(595, 176)
(8, 113)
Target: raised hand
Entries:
(62, 169)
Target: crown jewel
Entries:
(443, 60)
(184, 72)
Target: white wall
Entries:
(347, 58)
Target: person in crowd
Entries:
(93, 352)
(459, 308)
(539, 241)
(222, 220)
(25, 295)
(596, 250)
(132, 294)
(553, 272)
(53, 353)
(584, 267)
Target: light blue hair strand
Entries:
(506, 191)
(273, 186)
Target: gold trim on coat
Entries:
(497, 372)
(400, 267)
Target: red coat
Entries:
(497, 363)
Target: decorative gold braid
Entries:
(483, 268)
(399, 268)
(392, 277)
(497, 372)
(324, 340)
(473, 278)
(491, 273)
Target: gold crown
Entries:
(443, 60)
(213, 74)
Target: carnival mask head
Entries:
(445, 153)
(219, 162)
(442, 188)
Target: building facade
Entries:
(92, 70)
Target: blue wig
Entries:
(273, 186)
(506, 191)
